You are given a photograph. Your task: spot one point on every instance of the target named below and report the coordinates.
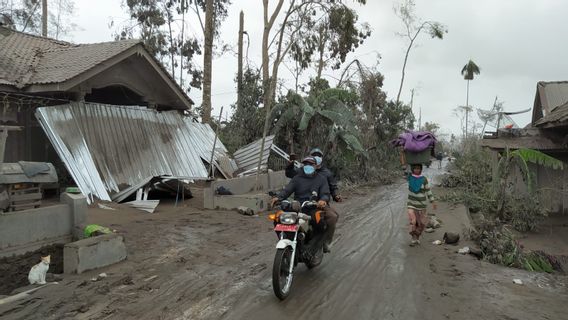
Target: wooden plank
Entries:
(24, 197)
(29, 204)
(25, 191)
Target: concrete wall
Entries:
(93, 253)
(29, 230)
(240, 186)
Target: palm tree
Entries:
(468, 72)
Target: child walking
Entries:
(418, 194)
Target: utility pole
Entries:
(240, 63)
(44, 18)
(420, 119)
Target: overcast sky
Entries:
(515, 43)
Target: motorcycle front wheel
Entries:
(281, 275)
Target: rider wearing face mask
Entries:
(291, 171)
(305, 183)
(331, 215)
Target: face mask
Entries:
(309, 169)
(318, 160)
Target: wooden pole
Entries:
(44, 18)
(240, 62)
(211, 166)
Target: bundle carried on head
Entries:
(418, 146)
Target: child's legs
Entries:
(412, 221)
(421, 221)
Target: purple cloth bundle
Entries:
(415, 141)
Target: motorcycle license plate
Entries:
(286, 227)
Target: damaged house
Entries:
(108, 114)
(548, 133)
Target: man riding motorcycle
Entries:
(304, 184)
(331, 215)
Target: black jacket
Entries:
(302, 186)
(292, 171)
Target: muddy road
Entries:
(363, 278)
(187, 263)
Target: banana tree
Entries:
(326, 121)
(522, 157)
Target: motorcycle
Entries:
(300, 229)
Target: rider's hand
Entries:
(273, 202)
(322, 204)
(434, 206)
(337, 198)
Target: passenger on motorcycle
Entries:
(331, 215)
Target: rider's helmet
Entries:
(316, 152)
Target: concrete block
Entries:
(92, 253)
(78, 205)
(256, 202)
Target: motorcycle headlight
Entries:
(288, 218)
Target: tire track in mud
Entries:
(364, 277)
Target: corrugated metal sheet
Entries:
(553, 94)
(108, 149)
(558, 117)
(247, 156)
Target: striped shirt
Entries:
(418, 200)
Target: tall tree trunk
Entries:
(466, 109)
(240, 62)
(266, 83)
(403, 71)
(172, 53)
(182, 37)
(44, 18)
(207, 61)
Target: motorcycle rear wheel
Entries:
(281, 275)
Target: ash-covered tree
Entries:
(25, 16)
(413, 28)
(246, 122)
(162, 25)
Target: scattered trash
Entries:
(518, 281)
(429, 230)
(99, 277)
(144, 205)
(222, 191)
(464, 250)
(93, 230)
(433, 223)
(437, 242)
(102, 206)
(151, 278)
(245, 211)
(451, 238)
(476, 252)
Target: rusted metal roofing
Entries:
(557, 118)
(109, 149)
